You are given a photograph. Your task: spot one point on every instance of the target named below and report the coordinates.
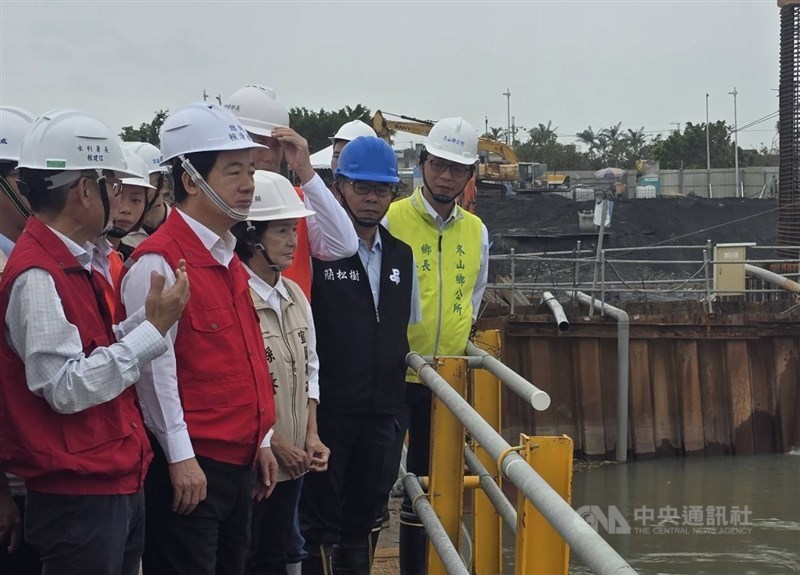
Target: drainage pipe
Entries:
(503, 506)
(540, 400)
(623, 352)
(558, 311)
(773, 278)
(587, 543)
(433, 527)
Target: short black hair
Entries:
(6, 166)
(42, 198)
(203, 162)
(246, 239)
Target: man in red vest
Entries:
(208, 400)
(327, 235)
(69, 424)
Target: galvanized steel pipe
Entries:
(503, 506)
(558, 311)
(587, 544)
(623, 362)
(539, 400)
(433, 527)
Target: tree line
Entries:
(593, 149)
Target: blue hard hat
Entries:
(368, 159)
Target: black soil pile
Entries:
(549, 223)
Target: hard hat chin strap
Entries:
(251, 231)
(441, 198)
(14, 198)
(233, 213)
(363, 222)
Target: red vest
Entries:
(102, 450)
(300, 270)
(223, 380)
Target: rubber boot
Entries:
(319, 560)
(413, 543)
(380, 523)
(353, 557)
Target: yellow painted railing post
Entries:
(447, 460)
(540, 549)
(488, 527)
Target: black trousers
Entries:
(214, 538)
(413, 540)
(272, 529)
(86, 534)
(417, 421)
(338, 505)
(25, 560)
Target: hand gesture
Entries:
(188, 485)
(267, 474)
(294, 461)
(163, 307)
(318, 452)
(295, 152)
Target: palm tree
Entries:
(496, 134)
(589, 138)
(542, 135)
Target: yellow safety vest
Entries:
(448, 263)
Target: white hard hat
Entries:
(14, 122)
(352, 130)
(71, 140)
(202, 127)
(136, 164)
(455, 140)
(275, 199)
(258, 109)
(149, 153)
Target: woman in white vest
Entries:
(266, 243)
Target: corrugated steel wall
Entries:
(693, 390)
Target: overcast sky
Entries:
(647, 63)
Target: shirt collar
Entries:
(209, 239)
(377, 245)
(263, 289)
(434, 214)
(81, 253)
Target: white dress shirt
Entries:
(56, 368)
(158, 385)
(331, 235)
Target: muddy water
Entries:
(697, 516)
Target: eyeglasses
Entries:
(439, 167)
(364, 188)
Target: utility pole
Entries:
(708, 153)
(507, 94)
(513, 131)
(486, 124)
(735, 139)
(205, 95)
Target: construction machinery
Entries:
(499, 168)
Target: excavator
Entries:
(499, 168)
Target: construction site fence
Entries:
(632, 271)
(754, 182)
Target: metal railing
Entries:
(587, 543)
(683, 278)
